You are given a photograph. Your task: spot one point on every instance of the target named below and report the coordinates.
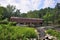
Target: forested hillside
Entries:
(48, 14)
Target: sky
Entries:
(27, 5)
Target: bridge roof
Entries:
(20, 19)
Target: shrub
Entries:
(54, 33)
(12, 23)
(8, 32)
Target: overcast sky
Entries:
(27, 5)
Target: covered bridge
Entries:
(27, 21)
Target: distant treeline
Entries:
(51, 15)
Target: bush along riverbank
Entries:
(8, 32)
(54, 33)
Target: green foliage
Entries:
(54, 33)
(8, 32)
(5, 21)
(24, 15)
(32, 14)
(2, 11)
(48, 14)
(17, 13)
(11, 11)
(12, 23)
(7, 12)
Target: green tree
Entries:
(17, 13)
(10, 10)
(2, 12)
(57, 13)
(24, 15)
(33, 14)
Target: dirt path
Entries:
(41, 32)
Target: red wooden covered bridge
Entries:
(27, 21)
